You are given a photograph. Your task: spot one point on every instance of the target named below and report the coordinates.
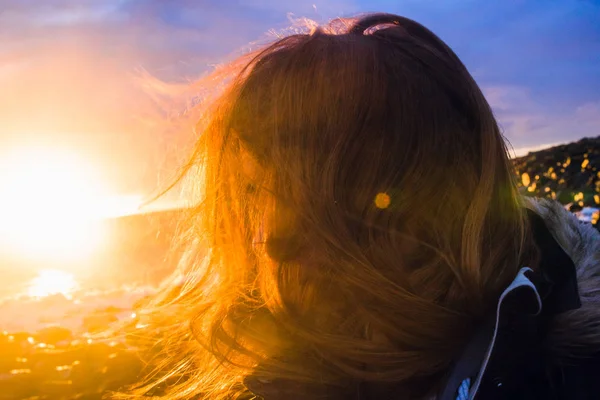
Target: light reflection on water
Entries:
(50, 282)
(71, 299)
(29, 314)
(128, 268)
(74, 299)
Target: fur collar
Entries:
(575, 333)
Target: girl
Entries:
(365, 239)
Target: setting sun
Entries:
(52, 204)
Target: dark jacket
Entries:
(543, 341)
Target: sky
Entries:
(69, 70)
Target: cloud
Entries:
(529, 125)
(523, 151)
(59, 13)
(68, 72)
(67, 67)
(166, 37)
(589, 112)
(548, 50)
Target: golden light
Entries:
(49, 282)
(532, 187)
(525, 179)
(382, 200)
(585, 163)
(52, 202)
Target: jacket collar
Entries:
(494, 361)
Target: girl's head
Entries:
(359, 214)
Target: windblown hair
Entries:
(358, 219)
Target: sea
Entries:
(38, 293)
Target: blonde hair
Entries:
(359, 217)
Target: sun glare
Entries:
(49, 282)
(52, 203)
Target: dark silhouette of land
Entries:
(563, 172)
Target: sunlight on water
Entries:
(49, 282)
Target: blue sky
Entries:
(538, 61)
